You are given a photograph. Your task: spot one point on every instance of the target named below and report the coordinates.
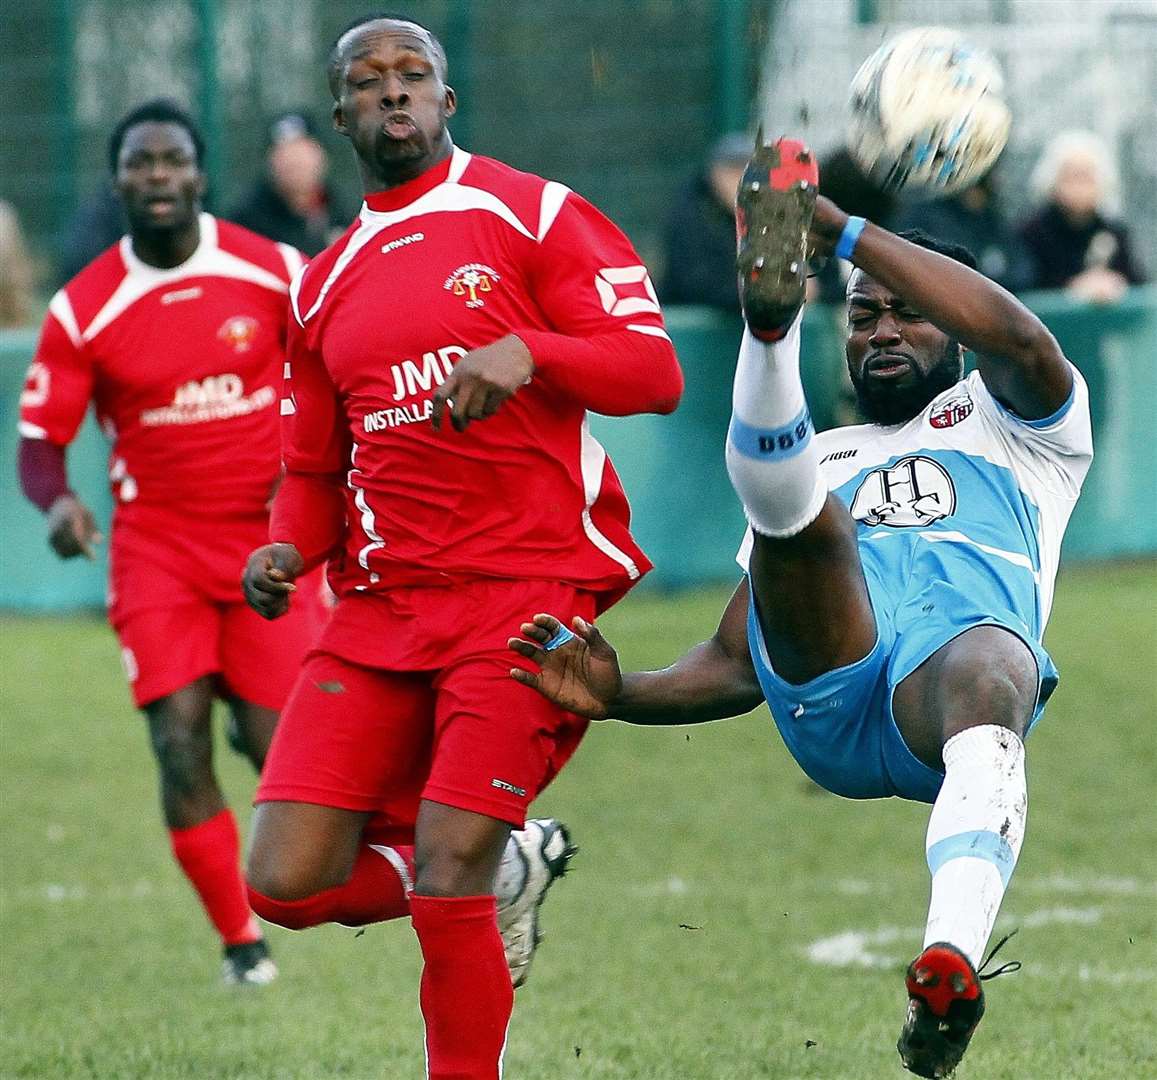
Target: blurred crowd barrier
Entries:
(684, 511)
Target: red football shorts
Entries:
(175, 602)
(408, 696)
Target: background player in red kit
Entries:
(177, 334)
(442, 359)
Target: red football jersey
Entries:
(461, 256)
(183, 365)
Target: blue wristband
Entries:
(848, 238)
(561, 637)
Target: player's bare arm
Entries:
(712, 681)
(72, 530)
(1020, 361)
(268, 580)
(481, 381)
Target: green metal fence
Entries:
(618, 100)
(684, 511)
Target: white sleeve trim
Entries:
(294, 263)
(61, 308)
(553, 196)
(295, 293)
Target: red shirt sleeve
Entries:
(309, 509)
(608, 347)
(60, 378)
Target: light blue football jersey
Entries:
(961, 513)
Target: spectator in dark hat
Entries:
(292, 202)
(699, 238)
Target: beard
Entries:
(888, 403)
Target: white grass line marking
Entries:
(75, 892)
(861, 948)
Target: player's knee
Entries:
(184, 753)
(454, 869)
(277, 879)
(996, 685)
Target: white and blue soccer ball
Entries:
(927, 113)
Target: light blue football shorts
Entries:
(839, 727)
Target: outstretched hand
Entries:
(269, 578)
(72, 530)
(481, 381)
(582, 675)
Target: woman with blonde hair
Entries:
(17, 272)
(1075, 238)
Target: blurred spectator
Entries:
(292, 202)
(1075, 239)
(699, 238)
(850, 188)
(974, 219)
(96, 225)
(17, 272)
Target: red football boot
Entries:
(773, 211)
(945, 1003)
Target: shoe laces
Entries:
(1004, 969)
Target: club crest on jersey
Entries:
(952, 412)
(239, 332)
(473, 281)
(913, 493)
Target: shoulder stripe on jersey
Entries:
(592, 462)
(652, 331)
(142, 279)
(293, 260)
(366, 231)
(446, 198)
(295, 294)
(61, 308)
(458, 162)
(31, 431)
(553, 196)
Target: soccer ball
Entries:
(927, 113)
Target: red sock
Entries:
(466, 996)
(375, 892)
(210, 855)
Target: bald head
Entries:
(360, 35)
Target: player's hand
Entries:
(269, 579)
(481, 381)
(582, 675)
(827, 224)
(72, 530)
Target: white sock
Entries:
(771, 456)
(974, 836)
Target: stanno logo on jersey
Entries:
(239, 332)
(403, 241)
(472, 281)
(215, 397)
(913, 493)
(952, 412)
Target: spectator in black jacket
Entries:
(699, 238)
(1075, 239)
(291, 202)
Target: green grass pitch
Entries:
(725, 921)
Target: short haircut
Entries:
(334, 63)
(954, 251)
(158, 111)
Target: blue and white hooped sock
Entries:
(975, 835)
(771, 454)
